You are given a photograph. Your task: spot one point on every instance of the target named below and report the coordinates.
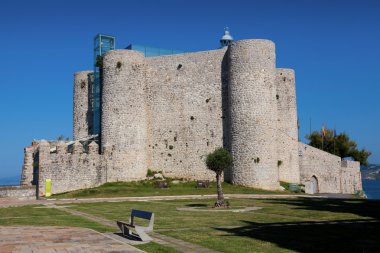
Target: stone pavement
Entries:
(27, 239)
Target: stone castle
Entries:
(166, 113)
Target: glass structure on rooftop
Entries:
(102, 43)
(151, 51)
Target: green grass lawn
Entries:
(33, 215)
(282, 225)
(261, 230)
(147, 188)
(156, 248)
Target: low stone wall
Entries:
(69, 170)
(17, 192)
(332, 174)
(323, 166)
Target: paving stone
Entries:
(58, 239)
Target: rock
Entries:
(282, 188)
(158, 175)
(175, 182)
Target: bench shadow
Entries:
(359, 235)
(129, 237)
(196, 205)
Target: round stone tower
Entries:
(123, 114)
(253, 113)
(81, 106)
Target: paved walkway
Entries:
(59, 239)
(6, 202)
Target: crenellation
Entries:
(61, 147)
(93, 148)
(77, 148)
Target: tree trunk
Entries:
(220, 200)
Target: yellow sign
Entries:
(48, 188)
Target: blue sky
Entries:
(332, 45)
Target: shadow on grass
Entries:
(364, 208)
(360, 235)
(313, 237)
(196, 205)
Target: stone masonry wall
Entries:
(185, 121)
(287, 129)
(27, 167)
(69, 171)
(15, 192)
(81, 114)
(253, 113)
(324, 166)
(351, 180)
(90, 102)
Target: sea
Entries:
(372, 189)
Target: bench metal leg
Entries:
(143, 236)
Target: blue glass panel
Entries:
(102, 44)
(151, 51)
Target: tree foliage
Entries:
(218, 161)
(339, 145)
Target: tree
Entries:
(339, 145)
(218, 161)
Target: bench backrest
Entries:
(143, 215)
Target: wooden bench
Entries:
(132, 229)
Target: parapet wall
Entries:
(333, 174)
(68, 171)
(15, 192)
(322, 165)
